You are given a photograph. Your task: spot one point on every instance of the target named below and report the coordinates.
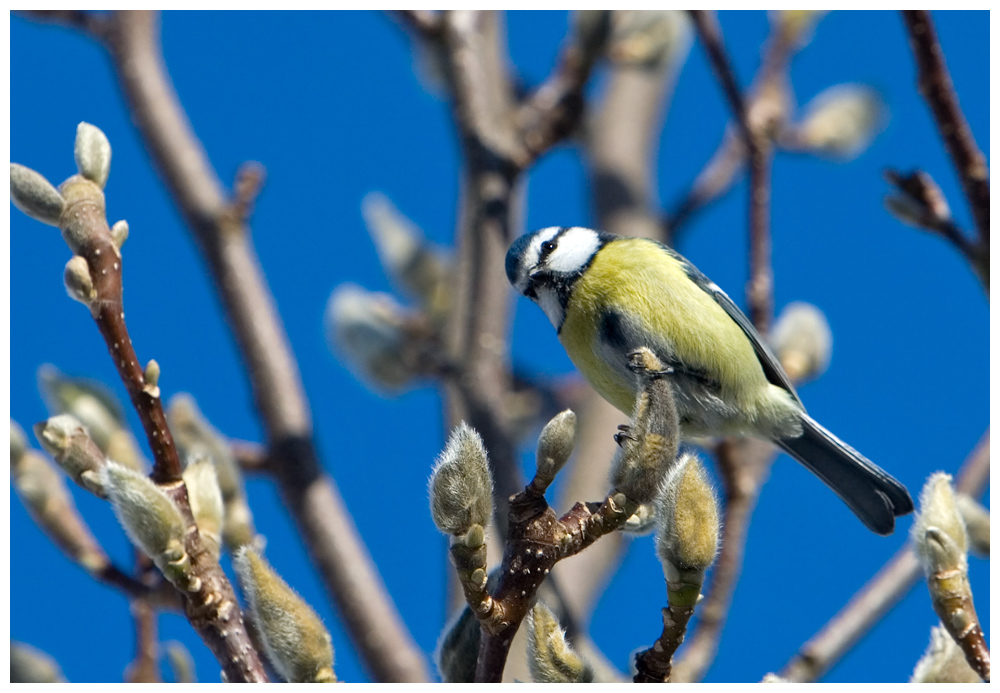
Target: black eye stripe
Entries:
(549, 246)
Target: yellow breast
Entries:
(638, 277)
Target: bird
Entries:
(608, 295)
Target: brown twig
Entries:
(654, 665)
(882, 592)
(351, 579)
(934, 82)
(144, 667)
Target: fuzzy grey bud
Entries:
(939, 531)
(943, 662)
(92, 152)
(458, 648)
(76, 278)
(649, 38)
(206, 502)
(461, 487)
(977, 523)
(550, 657)
(65, 438)
(33, 194)
(18, 442)
(119, 233)
(150, 518)
(555, 445)
(649, 447)
(297, 644)
(87, 400)
(30, 665)
(842, 120)
(367, 328)
(802, 340)
(688, 538)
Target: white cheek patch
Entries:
(573, 250)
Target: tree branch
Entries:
(882, 592)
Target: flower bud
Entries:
(181, 662)
(67, 441)
(796, 26)
(195, 436)
(650, 446)
(119, 233)
(151, 375)
(555, 445)
(87, 400)
(34, 195)
(943, 662)
(649, 38)
(917, 200)
(92, 152)
(461, 487)
(76, 278)
(550, 657)
(938, 530)
(688, 537)
(802, 340)
(420, 268)
(30, 665)
(367, 328)
(206, 502)
(842, 120)
(43, 491)
(150, 518)
(458, 649)
(18, 442)
(977, 523)
(297, 644)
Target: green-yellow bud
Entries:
(206, 502)
(550, 657)
(555, 445)
(938, 530)
(297, 644)
(688, 538)
(92, 152)
(461, 487)
(181, 662)
(33, 194)
(842, 120)
(87, 400)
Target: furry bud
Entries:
(76, 278)
(458, 648)
(649, 447)
(550, 657)
(206, 502)
(649, 38)
(18, 442)
(943, 662)
(33, 194)
(92, 152)
(181, 662)
(30, 665)
(89, 401)
(119, 233)
(461, 486)
(150, 519)
(802, 340)
(842, 120)
(555, 445)
(65, 438)
(977, 523)
(297, 644)
(938, 530)
(688, 538)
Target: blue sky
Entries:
(330, 104)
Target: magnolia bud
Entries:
(18, 442)
(119, 233)
(151, 375)
(688, 538)
(555, 445)
(76, 278)
(938, 530)
(367, 328)
(842, 120)
(67, 441)
(461, 487)
(92, 152)
(458, 648)
(181, 662)
(34, 195)
(30, 665)
(151, 519)
(89, 401)
(977, 523)
(550, 657)
(943, 662)
(650, 445)
(206, 502)
(649, 38)
(802, 340)
(297, 644)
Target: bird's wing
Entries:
(773, 371)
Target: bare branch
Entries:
(934, 82)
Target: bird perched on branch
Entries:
(608, 295)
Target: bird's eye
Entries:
(547, 247)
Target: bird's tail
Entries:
(872, 494)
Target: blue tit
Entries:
(608, 295)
